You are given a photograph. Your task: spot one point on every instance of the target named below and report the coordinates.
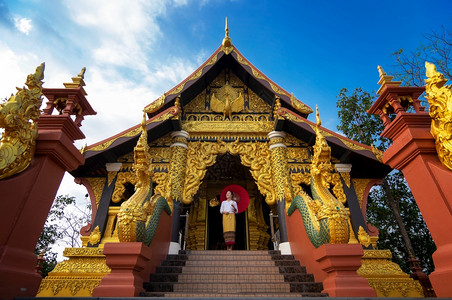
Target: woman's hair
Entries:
(232, 193)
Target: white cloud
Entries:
(23, 25)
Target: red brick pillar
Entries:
(413, 152)
(340, 262)
(26, 198)
(126, 261)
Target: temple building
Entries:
(303, 188)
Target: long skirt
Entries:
(229, 229)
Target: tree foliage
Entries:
(410, 67)
(62, 228)
(393, 211)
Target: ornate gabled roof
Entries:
(227, 55)
(291, 116)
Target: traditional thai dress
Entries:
(230, 207)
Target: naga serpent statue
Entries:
(324, 216)
(139, 216)
(18, 116)
(439, 96)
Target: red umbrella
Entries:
(240, 196)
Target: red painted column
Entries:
(26, 199)
(340, 262)
(413, 152)
(126, 261)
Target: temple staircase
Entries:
(220, 273)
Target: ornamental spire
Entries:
(226, 46)
(385, 80)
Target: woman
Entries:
(228, 209)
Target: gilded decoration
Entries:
(280, 170)
(294, 117)
(94, 237)
(18, 116)
(76, 277)
(386, 277)
(170, 113)
(178, 168)
(439, 96)
(226, 101)
(156, 105)
(123, 178)
(325, 218)
(226, 45)
(360, 185)
(363, 237)
(378, 153)
(138, 217)
(300, 106)
(97, 185)
(254, 155)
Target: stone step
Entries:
(292, 277)
(228, 253)
(273, 296)
(234, 288)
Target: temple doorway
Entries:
(205, 221)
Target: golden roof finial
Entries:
(381, 71)
(77, 81)
(385, 80)
(226, 46)
(226, 29)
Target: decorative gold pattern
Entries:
(386, 277)
(228, 129)
(177, 171)
(76, 277)
(168, 114)
(18, 116)
(120, 188)
(325, 217)
(97, 185)
(346, 177)
(135, 209)
(280, 172)
(439, 97)
(254, 155)
(363, 237)
(95, 236)
(222, 104)
(378, 153)
(360, 185)
(300, 106)
(156, 105)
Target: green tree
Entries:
(391, 206)
(62, 227)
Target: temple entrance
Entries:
(205, 221)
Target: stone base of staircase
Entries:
(216, 273)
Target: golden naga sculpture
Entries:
(439, 97)
(139, 216)
(18, 116)
(225, 105)
(324, 216)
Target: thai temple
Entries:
(156, 191)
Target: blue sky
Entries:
(136, 50)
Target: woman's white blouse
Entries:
(228, 206)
